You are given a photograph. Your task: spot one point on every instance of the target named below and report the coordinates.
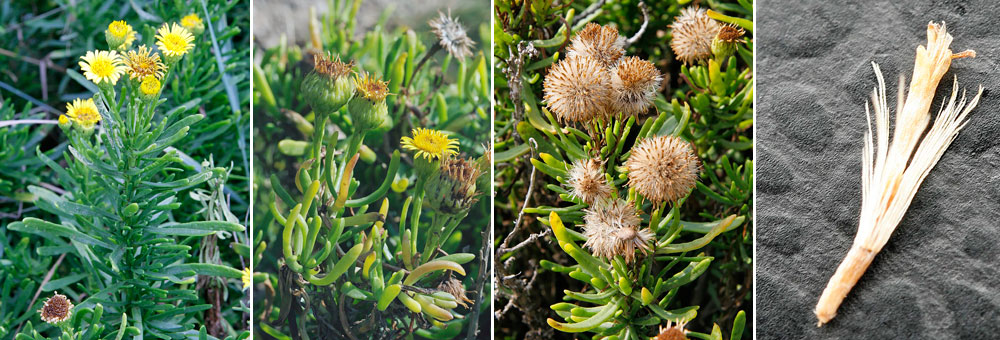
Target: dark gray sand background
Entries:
(939, 275)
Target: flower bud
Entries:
(119, 35)
(368, 110)
(193, 23)
(328, 88)
(64, 123)
(149, 89)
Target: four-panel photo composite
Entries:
(499, 169)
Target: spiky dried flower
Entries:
(662, 169)
(330, 66)
(635, 82)
(143, 62)
(586, 181)
(672, 331)
(451, 35)
(454, 287)
(613, 228)
(577, 89)
(600, 43)
(725, 42)
(56, 309)
(693, 32)
(730, 33)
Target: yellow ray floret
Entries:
(430, 144)
(83, 112)
(102, 66)
(174, 40)
(247, 278)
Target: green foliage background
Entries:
(446, 94)
(40, 46)
(708, 105)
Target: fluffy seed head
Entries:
(601, 43)
(635, 82)
(586, 181)
(577, 89)
(662, 169)
(693, 32)
(612, 228)
(57, 309)
(672, 332)
(451, 35)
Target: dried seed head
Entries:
(586, 181)
(672, 332)
(452, 35)
(577, 89)
(56, 309)
(454, 287)
(693, 32)
(328, 87)
(662, 169)
(612, 228)
(601, 43)
(635, 82)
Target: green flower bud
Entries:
(368, 110)
(64, 123)
(328, 88)
(724, 43)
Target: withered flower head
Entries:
(451, 35)
(730, 33)
(454, 287)
(452, 189)
(662, 169)
(601, 43)
(586, 181)
(142, 63)
(693, 32)
(328, 87)
(725, 43)
(330, 66)
(672, 332)
(635, 82)
(57, 309)
(577, 89)
(612, 228)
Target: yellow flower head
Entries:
(102, 67)
(431, 144)
(63, 120)
(371, 88)
(150, 86)
(143, 62)
(83, 112)
(174, 40)
(247, 278)
(191, 21)
(119, 31)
